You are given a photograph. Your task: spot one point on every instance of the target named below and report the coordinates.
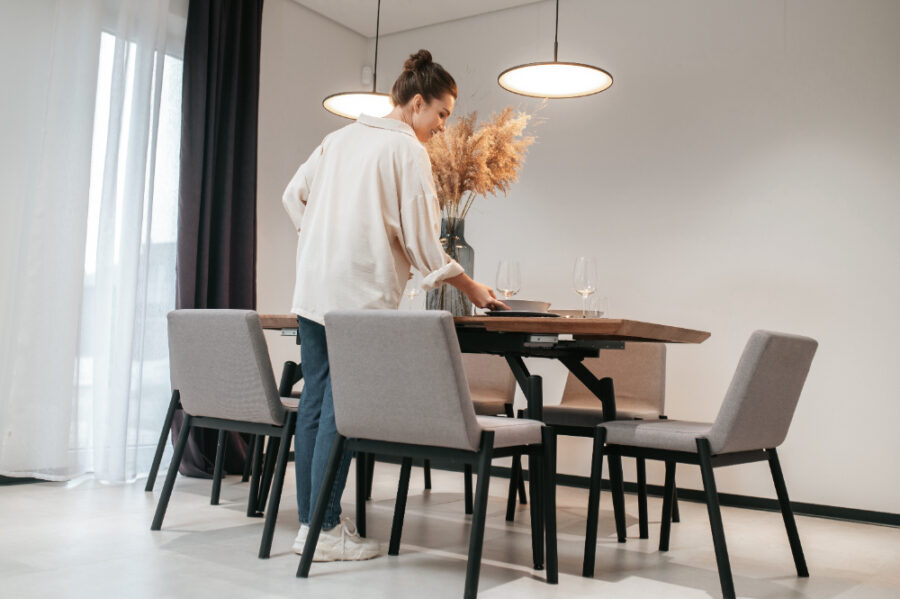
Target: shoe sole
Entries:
(319, 559)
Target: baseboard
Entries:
(12, 480)
(725, 499)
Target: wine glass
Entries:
(509, 278)
(584, 280)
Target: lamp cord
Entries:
(377, 26)
(555, 32)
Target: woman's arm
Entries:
(480, 295)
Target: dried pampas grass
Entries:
(468, 162)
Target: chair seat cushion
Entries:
(673, 435)
(590, 414)
(290, 403)
(509, 432)
(489, 407)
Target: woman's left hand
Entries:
(480, 295)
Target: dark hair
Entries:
(423, 76)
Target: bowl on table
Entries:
(526, 305)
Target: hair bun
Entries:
(417, 61)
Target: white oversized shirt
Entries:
(366, 210)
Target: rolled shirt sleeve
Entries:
(420, 219)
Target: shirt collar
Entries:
(383, 123)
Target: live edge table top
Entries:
(612, 329)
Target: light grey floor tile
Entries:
(89, 540)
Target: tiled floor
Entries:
(93, 540)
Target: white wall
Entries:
(304, 57)
(741, 173)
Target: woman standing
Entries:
(366, 210)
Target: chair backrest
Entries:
(638, 373)
(763, 394)
(399, 377)
(220, 366)
(489, 377)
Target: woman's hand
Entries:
(480, 295)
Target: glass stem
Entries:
(584, 306)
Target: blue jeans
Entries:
(316, 430)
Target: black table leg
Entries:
(602, 388)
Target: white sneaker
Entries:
(300, 541)
(341, 543)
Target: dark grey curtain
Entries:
(216, 262)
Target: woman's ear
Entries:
(418, 102)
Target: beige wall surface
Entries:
(741, 173)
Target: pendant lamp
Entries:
(555, 79)
(350, 104)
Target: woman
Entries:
(366, 210)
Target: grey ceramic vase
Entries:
(447, 297)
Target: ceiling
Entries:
(401, 15)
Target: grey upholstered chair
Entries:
(381, 361)
(753, 421)
(221, 371)
(639, 374)
(291, 374)
(492, 387)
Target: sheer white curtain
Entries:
(84, 366)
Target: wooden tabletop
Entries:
(580, 328)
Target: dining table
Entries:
(561, 335)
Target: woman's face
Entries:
(429, 118)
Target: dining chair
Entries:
(380, 407)
(291, 374)
(752, 422)
(492, 387)
(638, 373)
(220, 369)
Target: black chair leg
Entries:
(265, 484)
(549, 469)
(217, 470)
(248, 463)
(535, 482)
(255, 476)
(515, 477)
(171, 474)
(618, 493)
(665, 526)
(787, 513)
(315, 524)
(427, 468)
(476, 538)
(676, 517)
(523, 499)
(400, 507)
(715, 518)
(467, 478)
(265, 546)
(174, 403)
(593, 513)
(370, 475)
(644, 528)
(362, 469)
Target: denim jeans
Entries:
(316, 430)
